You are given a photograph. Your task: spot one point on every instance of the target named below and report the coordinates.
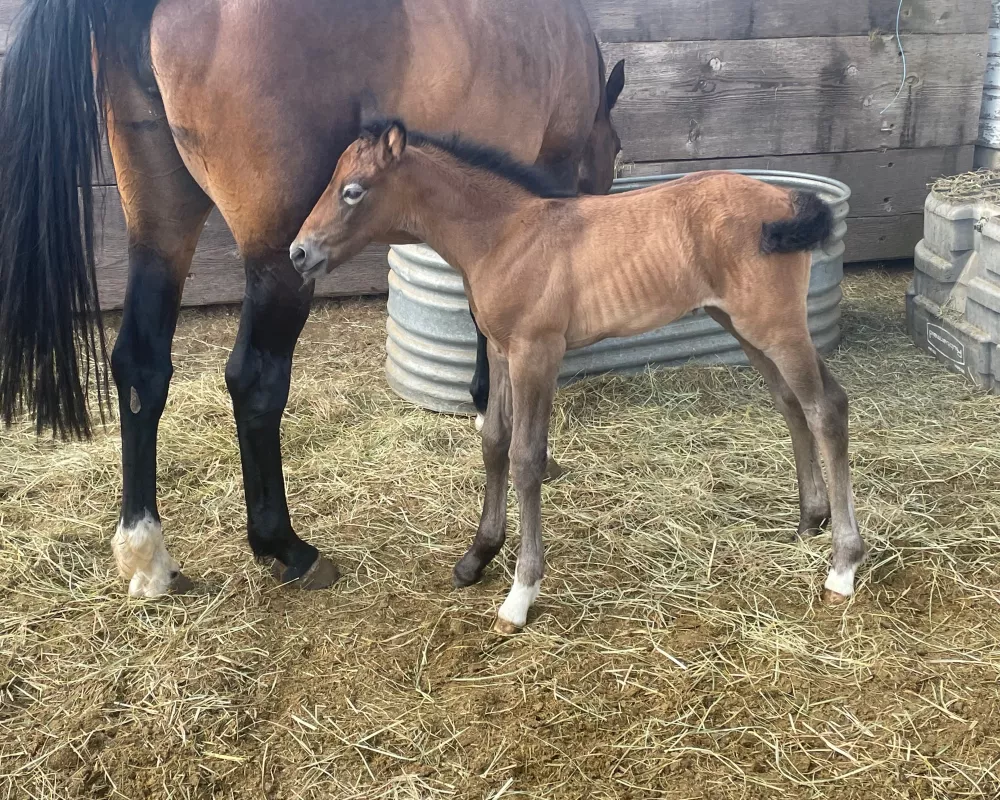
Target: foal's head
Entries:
(597, 168)
(378, 190)
(357, 206)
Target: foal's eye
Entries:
(353, 193)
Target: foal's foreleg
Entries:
(533, 372)
(496, 442)
(481, 391)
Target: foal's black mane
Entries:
(479, 156)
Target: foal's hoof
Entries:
(321, 575)
(180, 583)
(466, 572)
(553, 471)
(505, 628)
(832, 598)
(480, 421)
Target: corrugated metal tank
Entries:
(431, 345)
(988, 144)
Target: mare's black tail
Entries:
(51, 114)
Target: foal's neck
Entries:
(461, 211)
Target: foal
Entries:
(536, 271)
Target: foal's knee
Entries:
(496, 443)
(835, 407)
(527, 465)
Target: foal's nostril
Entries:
(298, 255)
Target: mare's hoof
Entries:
(553, 471)
(180, 584)
(321, 575)
(505, 628)
(832, 598)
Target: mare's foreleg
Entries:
(258, 375)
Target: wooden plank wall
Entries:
(784, 84)
(803, 85)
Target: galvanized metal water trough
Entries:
(431, 344)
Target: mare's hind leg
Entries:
(258, 375)
(164, 211)
(814, 500)
(496, 442)
(480, 386)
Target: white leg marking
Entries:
(515, 608)
(841, 582)
(480, 421)
(143, 559)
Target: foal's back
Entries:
(644, 258)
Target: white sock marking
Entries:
(480, 421)
(522, 596)
(142, 558)
(841, 582)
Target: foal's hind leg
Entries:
(824, 404)
(496, 442)
(814, 500)
(164, 211)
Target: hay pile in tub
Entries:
(678, 649)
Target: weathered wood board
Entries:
(686, 100)
(684, 20)
(216, 275)
(882, 238)
(883, 182)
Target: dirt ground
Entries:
(678, 649)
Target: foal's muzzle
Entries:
(308, 259)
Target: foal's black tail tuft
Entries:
(811, 226)
(51, 340)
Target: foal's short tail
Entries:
(811, 226)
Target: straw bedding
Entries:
(678, 649)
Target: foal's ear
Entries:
(616, 82)
(393, 142)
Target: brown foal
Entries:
(545, 273)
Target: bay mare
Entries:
(245, 106)
(545, 273)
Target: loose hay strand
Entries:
(677, 651)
